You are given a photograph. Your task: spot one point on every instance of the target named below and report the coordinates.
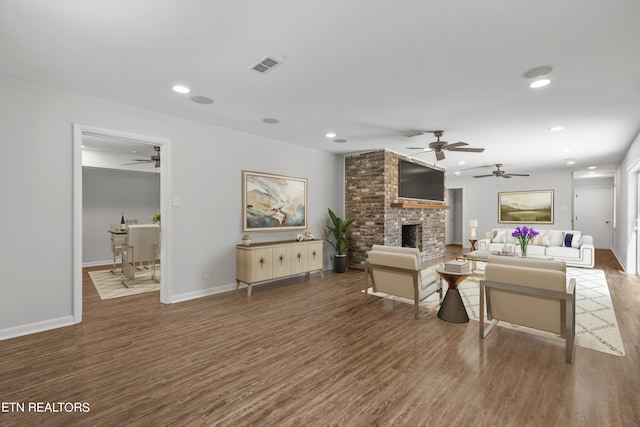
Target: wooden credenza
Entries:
(259, 262)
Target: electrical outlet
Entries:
(205, 273)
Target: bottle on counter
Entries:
(122, 223)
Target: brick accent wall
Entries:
(371, 187)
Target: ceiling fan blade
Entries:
(439, 155)
(457, 144)
(469, 150)
(137, 162)
(504, 175)
(518, 174)
(412, 133)
(415, 148)
(483, 176)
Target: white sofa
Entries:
(570, 246)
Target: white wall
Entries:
(106, 193)
(480, 198)
(626, 194)
(206, 162)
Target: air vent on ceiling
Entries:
(265, 64)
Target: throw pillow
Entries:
(555, 238)
(568, 237)
(575, 242)
(543, 238)
(498, 237)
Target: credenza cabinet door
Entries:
(315, 257)
(281, 261)
(257, 265)
(299, 259)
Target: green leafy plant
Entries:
(156, 217)
(339, 229)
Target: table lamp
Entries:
(473, 224)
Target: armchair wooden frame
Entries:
(567, 301)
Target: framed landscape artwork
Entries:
(530, 207)
(273, 202)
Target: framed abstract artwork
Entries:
(273, 202)
(530, 207)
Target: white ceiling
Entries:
(369, 70)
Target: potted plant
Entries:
(156, 217)
(339, 229)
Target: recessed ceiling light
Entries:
(539, 83)
(271, 121)
(461, 162)
(134, 151)
(202, 100)
(556, 128)
(181, 89)
(592, 167)
(570, 161)
(340, 140)
(330, 135)
(456, 173)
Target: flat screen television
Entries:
(420, 182)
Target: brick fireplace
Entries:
(371, 196)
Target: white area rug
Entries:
(596, 324)
(110, 285)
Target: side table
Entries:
(473, 244)
(452, 308)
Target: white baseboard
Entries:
(220, 289)
(622, 263)
(32, 328)
(201, 293)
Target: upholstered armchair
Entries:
(396, 271)
(141, 244)
(532, 293)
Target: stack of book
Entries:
(457, 266)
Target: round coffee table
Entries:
(452, 308)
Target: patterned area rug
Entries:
(596, 324)
(109, 285)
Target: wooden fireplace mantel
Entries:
(405, 204)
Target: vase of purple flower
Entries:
(524, 236)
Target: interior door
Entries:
(593, 212)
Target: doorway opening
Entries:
(453, 217)
(80, 132)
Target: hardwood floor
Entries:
(311, 353)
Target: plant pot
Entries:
(340, 263)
